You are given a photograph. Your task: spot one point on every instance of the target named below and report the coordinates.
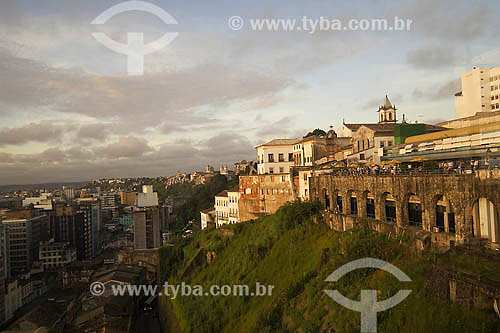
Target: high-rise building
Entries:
(147, 228)
(480, 92)
(128, 198)
(23, 231)
(91, 227)
(147, 222)
(4, 250)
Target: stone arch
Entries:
(388, 207)
(351, 203)
(369, 204)
(442, 214)
(337, 201)
(325, 198)
(485, 219)
(413, 207)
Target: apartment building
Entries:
(147, 228)
(54, 255)
(23, 231)
(480, 92)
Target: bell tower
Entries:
(387, 112)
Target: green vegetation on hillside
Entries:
(295, 255)
(202, 197)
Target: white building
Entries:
(207, 218)
(480, 92)
(221, 209)
(276, 156)
(147, 198)
(233, 199)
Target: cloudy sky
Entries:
(70, 112)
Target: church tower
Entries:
(387, 112)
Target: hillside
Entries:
(295, 255)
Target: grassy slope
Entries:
(293, 247)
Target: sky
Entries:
(69, 111)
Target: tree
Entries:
(317, 132)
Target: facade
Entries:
(221, 208)
(309, 150)
(480, 91)
(147, 198)
(109, 202)
(4, 250)
(368, 138)
(13, 298)
(233, 199)
(261, 195)
(207, 218)
(147, 228)
(69, 193)
(54, 255)
(23, 231)
(276, 156)
(90, 228)
(128, 198)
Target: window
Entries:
(389, 143)
(271, 170)
(361, 156)
(358, 145)
(363, 144)
(270, 157)
(281, 169)
(281, 158)
(290, 157)
(305, 177)
(390, 116)
(368, 143)
(381, 144)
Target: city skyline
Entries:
(71, 113)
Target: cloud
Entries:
(445, 91)
(432, 57)
(125, 147)
(97, 131)
(135, 103)
(37, 132)
(449, 20)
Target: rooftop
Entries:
(280, 142)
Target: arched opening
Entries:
(485, 220)
(414, 211)
(390, 116)
(339, 203)
(353, 203)
(370, 205)
(389, 207)
(327, 200)
(445, 215)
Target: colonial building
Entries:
(275, 156)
